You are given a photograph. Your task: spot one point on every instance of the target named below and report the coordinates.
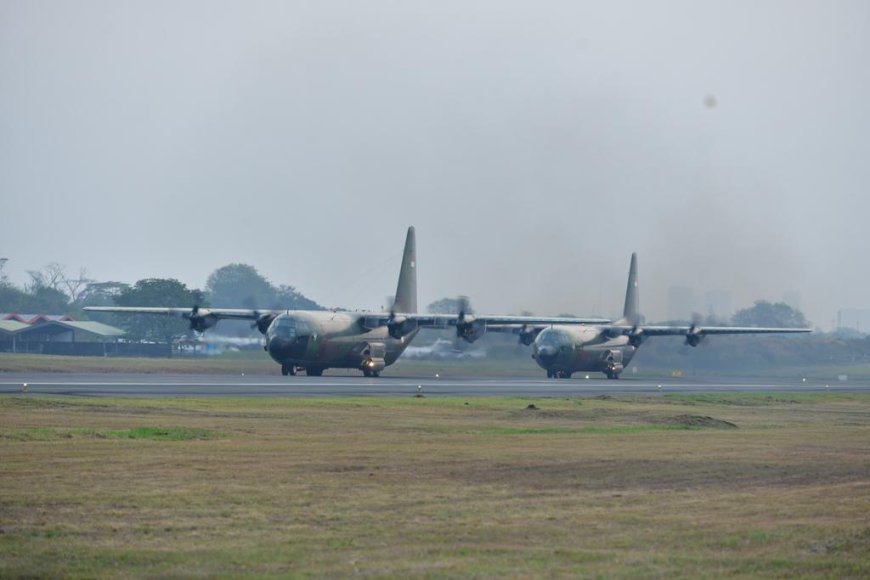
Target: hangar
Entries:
(56, 335)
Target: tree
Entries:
(239, 286)
(287, 297)
(33, 300)
(12, 299)
(764, 313)
(101, 293)
(47, 300)
(156, 292)
(242, 286)
(52, 281)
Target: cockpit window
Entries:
(554, 337)
(302, 328)
(283, 327)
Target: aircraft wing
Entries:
(472, 326)
(200, 318)
(699, 330)
(448, 320)
(218, 313)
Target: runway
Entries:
(150, 385)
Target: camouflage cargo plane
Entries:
(314, 340)
(608, 348)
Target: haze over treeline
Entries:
(534, 146)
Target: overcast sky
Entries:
(534, 145)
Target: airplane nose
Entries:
(277, 345)
(546, 355)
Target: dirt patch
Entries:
(698, 421)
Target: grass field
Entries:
(673, 486)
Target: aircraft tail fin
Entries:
(631, 311)
(406, 291)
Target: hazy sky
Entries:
(534, 145)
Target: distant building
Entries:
(857, 319)
(56, 334)
(681, 303)
(35, 318)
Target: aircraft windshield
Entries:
(553, 337)
(288, 327)
(283, 327)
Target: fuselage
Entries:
(563, 350)
(320, 340)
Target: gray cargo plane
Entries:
(608, 348)
(314, 340)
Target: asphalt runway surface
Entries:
(160, 385)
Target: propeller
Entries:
(695, 334)
(398, 325)
(635, 336)
(527, 334)
(466, 328)
(263, 321)
(200, 322)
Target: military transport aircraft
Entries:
(314, 340)
(608, 348)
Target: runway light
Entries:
(587, 376)
(804, 379)
(436, 375)
(659, 387)
(24, 387)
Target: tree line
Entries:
(54, 290)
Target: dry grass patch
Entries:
(436, 487)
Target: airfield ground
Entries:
(257, 363)
(743, 484)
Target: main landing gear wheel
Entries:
(369, 373)
(558, 374)
(313, 372)
(612, 375)
(288, 369)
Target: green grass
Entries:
(436, 487)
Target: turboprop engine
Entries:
(400, 326)
(200, 320)
(264, 321)
(694, 336)
(469, 330)
(527, 335)
(466, 327)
